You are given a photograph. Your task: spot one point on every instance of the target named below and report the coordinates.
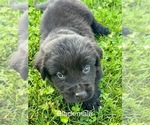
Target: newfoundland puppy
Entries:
(68, 55)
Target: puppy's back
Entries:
(71, 14)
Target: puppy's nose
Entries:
(81, 95)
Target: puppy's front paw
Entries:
(91, 104)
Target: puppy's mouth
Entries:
(78, 93)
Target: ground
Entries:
(126, 68)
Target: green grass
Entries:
(45, 103)
(136, 66)
(126, 70)
(13, 90)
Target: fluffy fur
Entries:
(68, 55)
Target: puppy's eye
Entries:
(86, 69)
(60, 75)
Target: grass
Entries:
(136, 66)
(45, 104)
(13, 90)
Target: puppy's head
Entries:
(71, 63)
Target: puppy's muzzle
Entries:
(79, 92)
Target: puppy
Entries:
(68, 55)
(19, 59)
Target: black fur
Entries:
(68, 47)
(98, 29)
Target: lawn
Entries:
(45, 105)
(136, 66)
(13, 90)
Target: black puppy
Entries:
(19, 59)
(68, 55)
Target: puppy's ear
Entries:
(40, 64)
(99, 56)
(99, 53)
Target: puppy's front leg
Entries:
(94, 102)
(98, 29)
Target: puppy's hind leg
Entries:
(98, 29)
